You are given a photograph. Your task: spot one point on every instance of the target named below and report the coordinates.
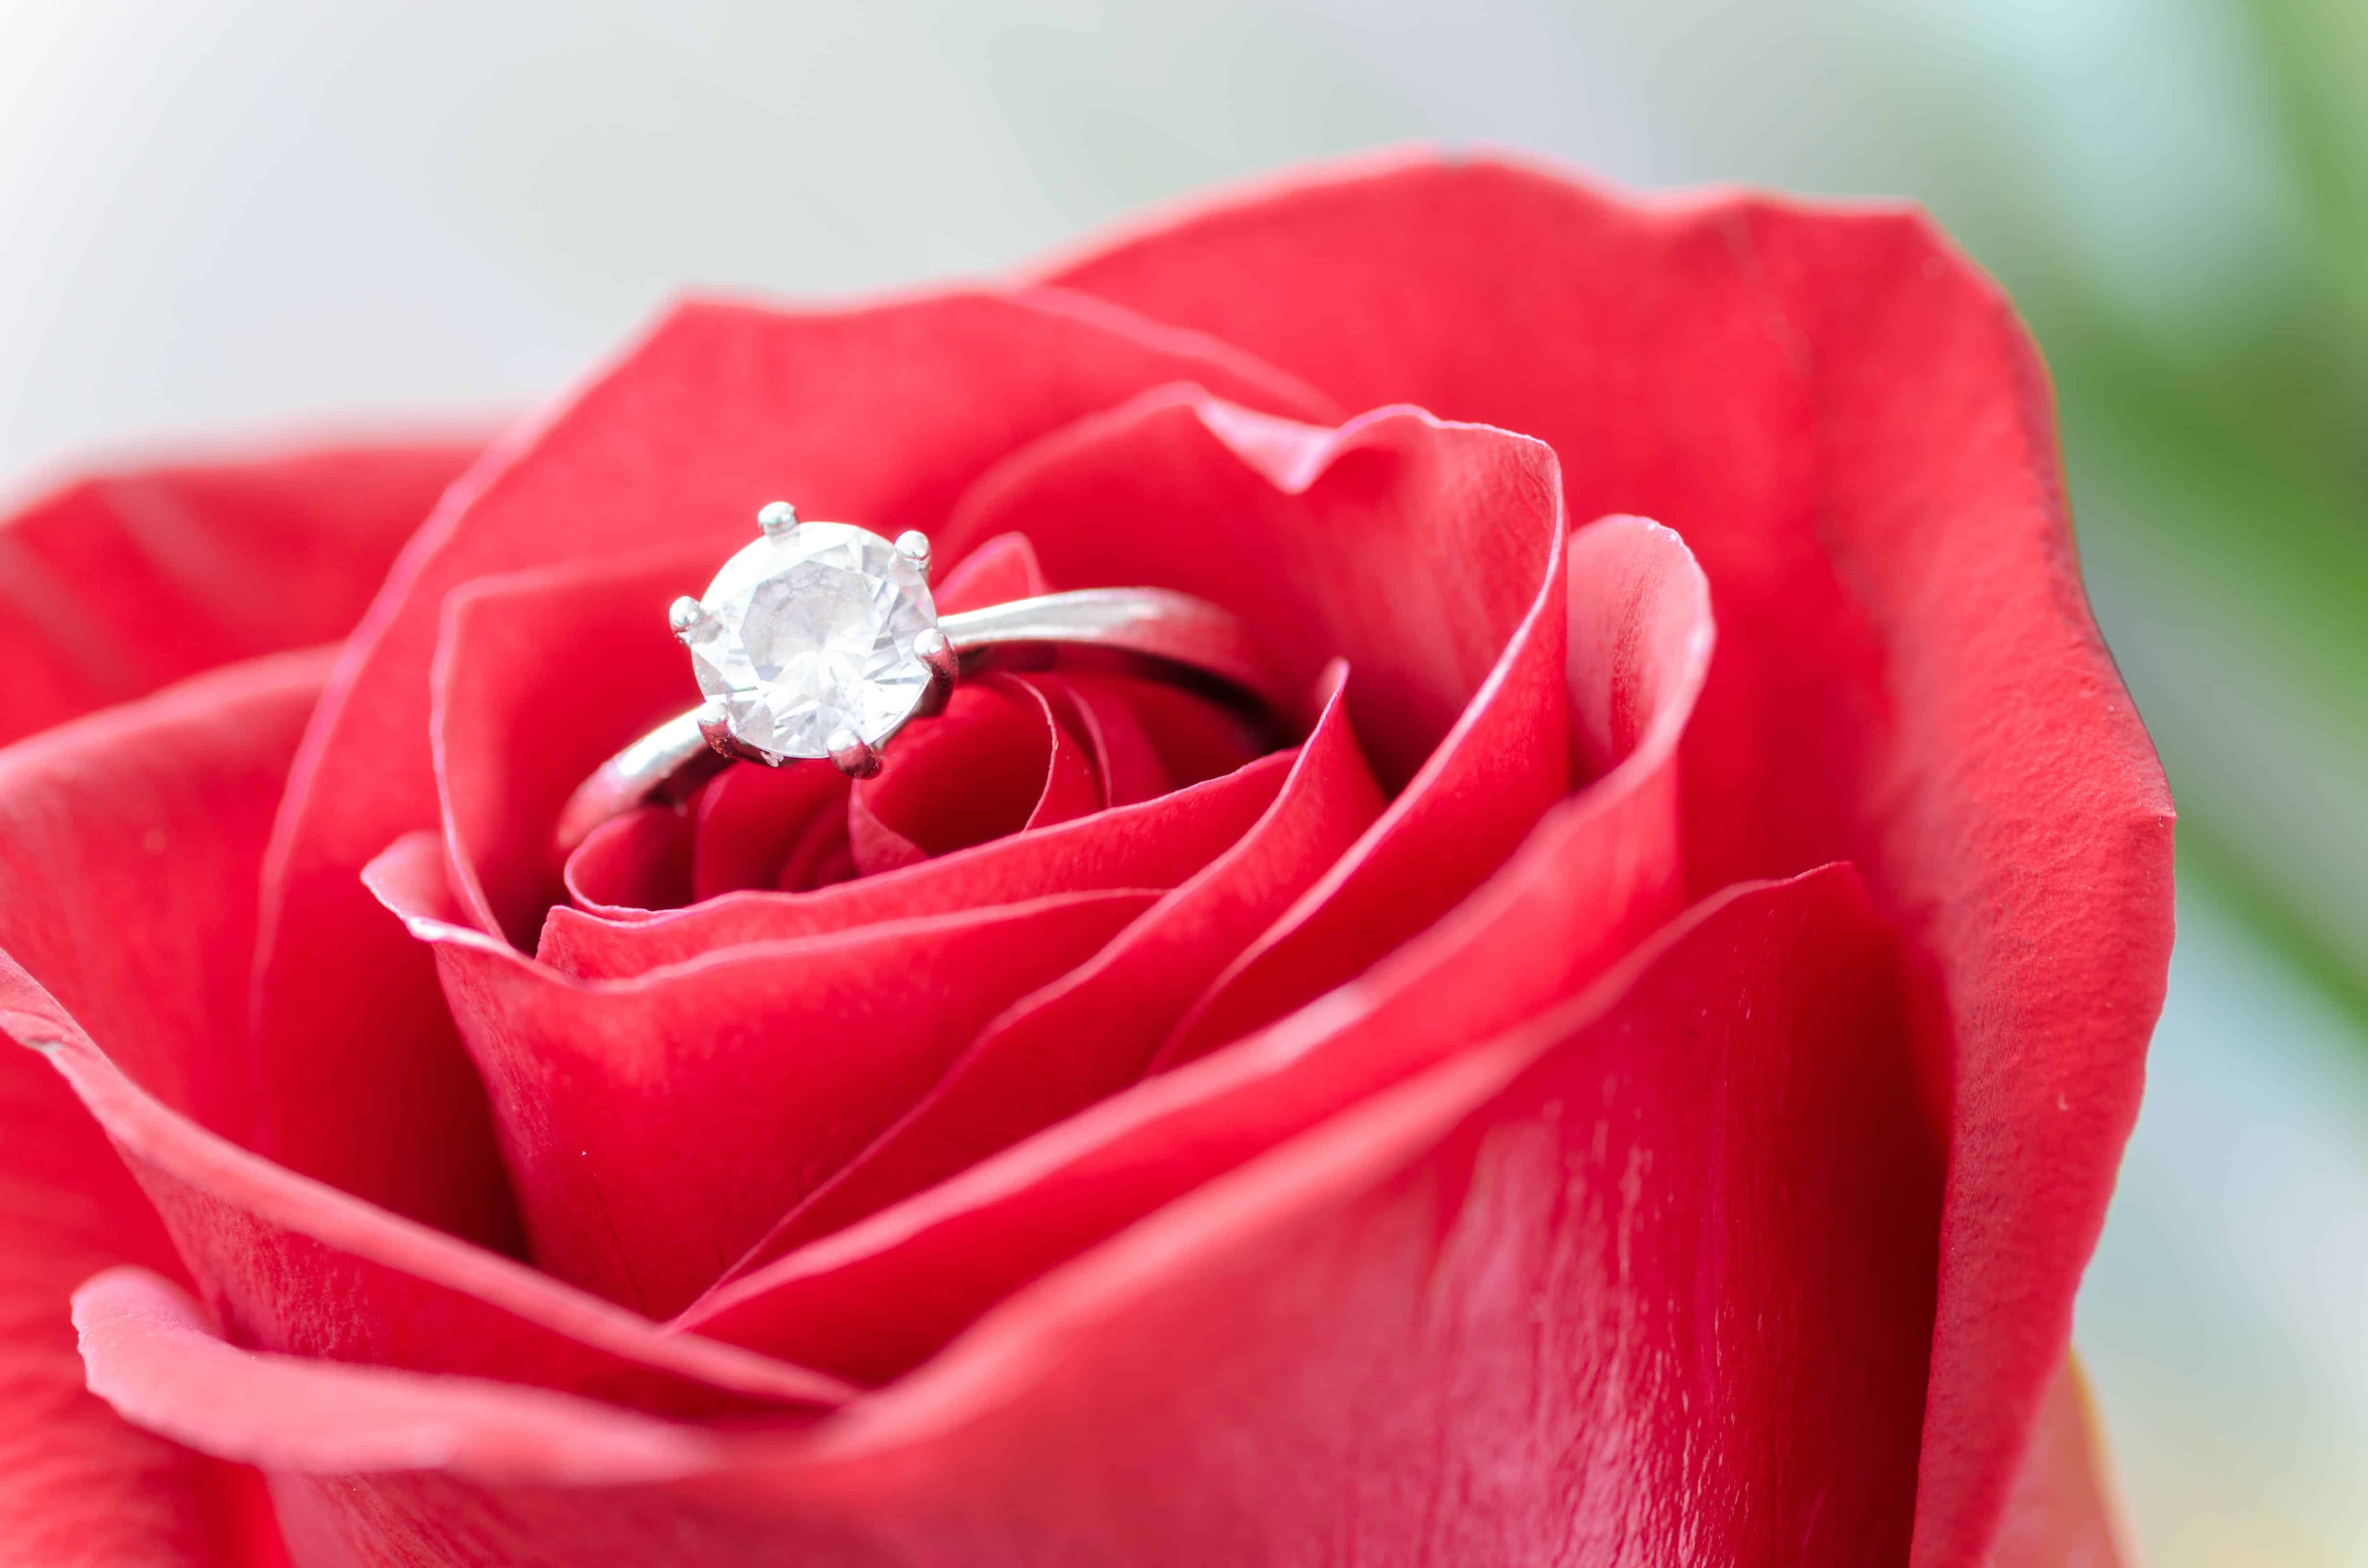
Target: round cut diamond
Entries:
(809, 633)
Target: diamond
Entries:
(809, 632)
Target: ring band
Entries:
(819, 641)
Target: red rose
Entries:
(1591, 1100)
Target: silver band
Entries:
(1172, 636)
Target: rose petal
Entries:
(1851, 429)
(883, 414)
(154, 812)
(762, 827)
(1576, 1292)
(639, 861)
(151, 1355)
(76, 1484)
(997, 762)
(154, 816)
(656, 1126)
(541, 677)
(1601, 871)
(1106, 713)
(117, 584)
(991, 572)
(1426, 554)
(1155, 844)
(1093, 1031)
(288, 1264)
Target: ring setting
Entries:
(817, 640)
(820, 640)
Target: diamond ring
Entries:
(820, 640)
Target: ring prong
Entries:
(685, 615)
(853, 756)
(932, 649)
(914, 546)
(715, 728)
(777, 517)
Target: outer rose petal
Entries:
(147, 1354)
(883, 414)
(1850, 429)
(120, 582)
(76, 1485)
(150, 1352)
(1687, 1187)
(153, 814)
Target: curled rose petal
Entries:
(1075, 1041)
(1852, 430)
(1156, 844)
(759, 827)
(157, 812)
(719, 409)
(288, 1265)
(656, 1126)
(114, 584)
(997, 762)
(1093, 1031)
(1427, 555)
(151, 1355)
(641, 860)
(540, 677)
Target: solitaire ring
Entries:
(819, 640)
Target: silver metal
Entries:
(936, 651)
(776, 518)
(914, 546)
(852, 755)
(685, 615)
(945, 668)
(1153, 631)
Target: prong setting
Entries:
(945, 667)
(934, 651)
(807, 638)
(852, 755)
(715, 728)
(914, 546)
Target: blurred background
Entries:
(217, 219)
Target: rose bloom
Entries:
(1636, 1081)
